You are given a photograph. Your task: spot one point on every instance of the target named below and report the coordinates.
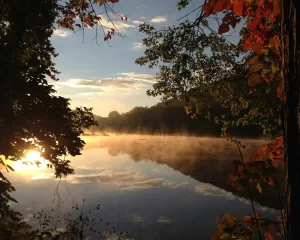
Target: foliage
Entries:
(230, 227)
(261, 34)
(77, 224)
(80, 14)
(32, 115)
(202, 68)
(159, 119)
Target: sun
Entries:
(33, 156)
(29, 162)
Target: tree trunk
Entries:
(290, 53)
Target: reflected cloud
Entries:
(137, 219)
(127, 180)
(163, 220)
(211, 190)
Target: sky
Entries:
(105, 77)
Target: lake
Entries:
(154, 187)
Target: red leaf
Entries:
(254, 24)
(238, 7)
(233, 22)
(223, 28)
(219, 6)
(208, 8)
(226, 18)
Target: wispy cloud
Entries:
(137, 46)
(137, 22)
(137, 219)
(211, 190)
(61, 33)
(119, 25)
(158, 19)
(163, 220)
(127, 180)
(143, 17)
(127, 80)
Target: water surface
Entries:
(153, 187)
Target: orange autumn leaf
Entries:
(269, 236)
(208, 8)
(248, 221)
(252, 60)
(214, 236)
(238, 7)
(271, 181)
(258, 187)
(254, 79)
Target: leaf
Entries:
(233, 22)
(269, 236)
(254, 24)
(271, 181)
(254, 79)
(258, 187)
(253, 60)
(10, 168)
(255, 67)
(248, 221)
(257, 47)
(213, 236)
(223, 28)
(238, 7)
(219, 6)
(208, 8)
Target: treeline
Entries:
(168, 119)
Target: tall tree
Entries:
(198, 67)
(290, 50)
(271, 33)
(32, 115)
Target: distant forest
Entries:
(170, 119)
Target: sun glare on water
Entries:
(29, 162)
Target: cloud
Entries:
(137, 46)
(137, 22)
(137, 219)
(61, 33)
(143, 77)
(143, 17)
(128, 80)
(159, 19)
(121, 26)
(126, 180)
(211, 190)
(163, 220)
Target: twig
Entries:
(249, 189)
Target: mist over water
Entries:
(155, 187)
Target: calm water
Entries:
(153, 187)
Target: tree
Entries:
(32, 116)
(201, 68)
(271, 36)
(290, 48)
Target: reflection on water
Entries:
(154, 187)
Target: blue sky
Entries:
(106, 77)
